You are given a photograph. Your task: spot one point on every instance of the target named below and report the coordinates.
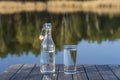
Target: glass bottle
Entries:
(47, 60)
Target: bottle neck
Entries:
(48, 33)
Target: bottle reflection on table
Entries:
(49, 77)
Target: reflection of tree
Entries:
(27, 32)
(73, 55)
(19, 32)
(2, 42)
(72, 24)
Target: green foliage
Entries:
(19, 32)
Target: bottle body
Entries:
(47, 62)
(47, 59)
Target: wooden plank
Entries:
(62, 76)
(35, 74)
(84, 72)
(92, 72)
(106, 73)
(80, 75)
(10, 72)
(51, 76)
(116, 70)
(23, 72)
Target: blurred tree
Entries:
(19, 32)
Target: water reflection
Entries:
(50, 77)
(19, 32)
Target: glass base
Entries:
(47, 72)
(70, 72)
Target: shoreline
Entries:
(100, 7)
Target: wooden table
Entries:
(84, 72)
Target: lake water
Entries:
(97, 37)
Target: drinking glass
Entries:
(70, 59)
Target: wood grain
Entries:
(84, 72)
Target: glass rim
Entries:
(70, 46)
